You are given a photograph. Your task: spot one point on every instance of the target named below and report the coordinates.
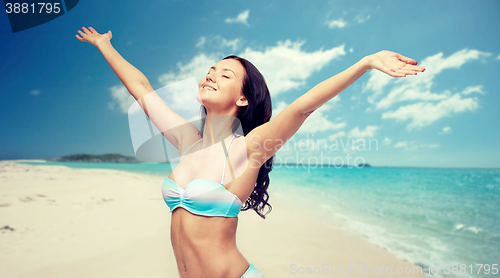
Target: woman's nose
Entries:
(209, 78)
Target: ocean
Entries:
(437, 218)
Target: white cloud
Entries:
(368, 132)
(498, 57)
(122, 97)
(417, 87)
(446, 130)
(387, 141)
(335, 102)
(35, 92)
(425, 113)
(406, 146)
(311, 144)
(361, 18)
(337, 135)
(241, 18)
(197, 68)
(336, 23)
(232, 43)
(473, 89)
(218, 42)
(341, 23)
(351, 50)
(387, 91)
(317, 121)
(279, 107)
(376, 84)
(286, 66)
(410, 146)
(201, 42)
(400, 144)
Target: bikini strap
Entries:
(190, 148)
(225, 158)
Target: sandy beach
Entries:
(61, 222)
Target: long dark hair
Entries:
(257, 112)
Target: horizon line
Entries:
(295, 164)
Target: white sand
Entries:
(106, 223)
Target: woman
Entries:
(204, 211)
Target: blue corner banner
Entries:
(25, 14)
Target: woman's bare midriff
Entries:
(206, 246)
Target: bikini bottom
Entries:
(252, 272)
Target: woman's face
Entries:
(221, 89)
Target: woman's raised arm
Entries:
(138, 86)
(135, 81)
(391, 63)
(265, 140)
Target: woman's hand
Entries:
(93, 37)
(394, 64)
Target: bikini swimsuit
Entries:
(202, 196)
(207, 198)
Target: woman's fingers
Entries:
(86, 30)
(406, 59)
(407, 71)
(414, 68)
(407, 67)
(410, 63)
(396, 74)
(421, 69)
(92, 30)
(395, 64)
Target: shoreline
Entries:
(303, 165)
(105, 223)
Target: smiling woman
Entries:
(236, 111)
(229, 74)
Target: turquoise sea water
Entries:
(428, 216)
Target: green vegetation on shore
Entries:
(108, 158)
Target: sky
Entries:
(60, 97)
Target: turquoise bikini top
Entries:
(203, 196)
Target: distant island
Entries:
(360, 165)
(118, 158)
(104, 158)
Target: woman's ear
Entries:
(242, 101)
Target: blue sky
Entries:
(59, 96)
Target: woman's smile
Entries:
(208, 87)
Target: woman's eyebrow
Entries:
(224, 69)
